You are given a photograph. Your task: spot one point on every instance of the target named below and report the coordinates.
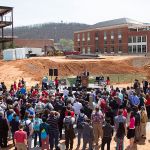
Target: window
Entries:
(143, 38)
(120, 41)
(119, 34)
(78, 36)
(96, 34)
(144, 48)
(105, 35)
(83, 43)
(134, 48)
(83, 50)
(105, 41)
(134, 39)
(112, 35)
(130, 49)
(105, 49)
(88, 36)
(78, 43)
(89, 50)
(97, 50)
(88, 42)
(83, 37)
(112, 49)
(119, 48)
(139, 48)
(130, 39)
(139, 38)
(112, 41)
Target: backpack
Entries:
(43, 134)
(26, 128)
(68, 123)
(80, 121)
(36, 125)
(10, 117)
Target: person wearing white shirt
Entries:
(65, 92)
(77, 107)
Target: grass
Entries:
(114, 78)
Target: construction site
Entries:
(34, 69)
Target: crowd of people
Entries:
(46, 116)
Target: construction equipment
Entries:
(51, 51)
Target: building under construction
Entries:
(6, 20)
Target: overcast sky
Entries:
(28, 12)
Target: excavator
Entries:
(51, 51)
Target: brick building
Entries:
(33, 43)
(115, 36)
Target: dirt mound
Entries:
(34, 69)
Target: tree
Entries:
(66, 44)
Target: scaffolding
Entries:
(6, 21)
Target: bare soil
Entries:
(34, 69)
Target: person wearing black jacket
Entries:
(3, 131)
(107, 134)
(14, 124)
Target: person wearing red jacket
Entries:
(147, 104)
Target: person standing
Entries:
(144, 120)
(53, 120)
(147, 104)
(137, 124)
(44, 134)
(88, 135)
(97, 122)
(56, 82)
(120, 136)
(28, 127)
(145, 86)
(80, 119)
(20, 138)
(3, 131)
(14, 125)
(36, 127)
(69, 130)
(107, 134)
(131, 130)
(77, 106)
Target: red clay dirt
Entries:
(34, 69)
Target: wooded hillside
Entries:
(55, 31)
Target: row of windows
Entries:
(112, 49)
(136, 39)
(137, 49)
(112, 41)
(97, 35)
(97, 43)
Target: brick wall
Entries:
(34, 43)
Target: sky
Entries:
(29, 12)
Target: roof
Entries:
(5, 10)
(120, 21)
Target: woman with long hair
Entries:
(120, 136)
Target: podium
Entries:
(84, 81)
